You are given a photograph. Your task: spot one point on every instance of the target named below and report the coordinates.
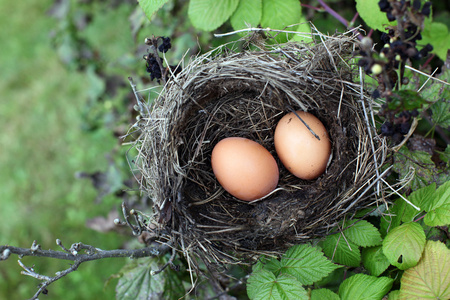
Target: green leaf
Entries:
(323, 294)
(305, 28)
(263, 285)
(441, 113)
(404, 245)
(430, 279)
(445, 155)
(436, 203)
(306, 263)
(374, 260)
(397, 213)
(370, 12)
(406, 100)
(362, 233)
(150, 7)
(341, 251)
(419, 162)
(248, 13)
(138, 283)
(361, 286)
(279, 14)
(423, 197)
(208, 15)
(268, 264)
(394, 295)
(436, 34)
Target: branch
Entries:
(90, 253)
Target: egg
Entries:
(244, 168)
(302, 153)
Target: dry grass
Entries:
(229, 93)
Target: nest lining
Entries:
(223, 94)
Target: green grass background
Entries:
(42, 145)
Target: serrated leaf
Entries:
(423, 197)
(279, 14)
(208, 15)
(436, 34)
(445, 155)
(374, 260)
(341, 251)
(403, 246)
(361, 286)
(439, 216)
(430, 279)
(370, 12)
(419, 162)
(441, 113)
(138, 283)
(362, 233)
(406, 100)
(269, 264)
(306, 263)
(263, 285)
(248, 13)
(323, 294)
(439, 207)
(398, 212)
(394, 295)
(305, 28)
(150, 7)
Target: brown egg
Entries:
(244, 168)
(303, 154)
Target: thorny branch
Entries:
(80, 253)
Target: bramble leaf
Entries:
(248, 13)
(430, 278)
(445, 155)
(419, 162)
(362, 286)
(208, 15)
(362, 233)
(323, 294)
(263, 285)
(279, 14)
(138, 283)
(374, 260)
(439, 209)
(441, 113)
(394, 295)
(436, 34)
(403, 246)
(341, 251)
(372, 15)
(423, 197)
(399, 212)
(269, 264)
(150, 7)
(306, 263)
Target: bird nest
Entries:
(225, 93)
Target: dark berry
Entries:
(414, 113)
(404, 128)
(387, 129)
(166, 45)
(384, 5)
(385, 38)
(416, 4)
(426, 9)
(390, 16)
(376, 94)
(428, 47)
